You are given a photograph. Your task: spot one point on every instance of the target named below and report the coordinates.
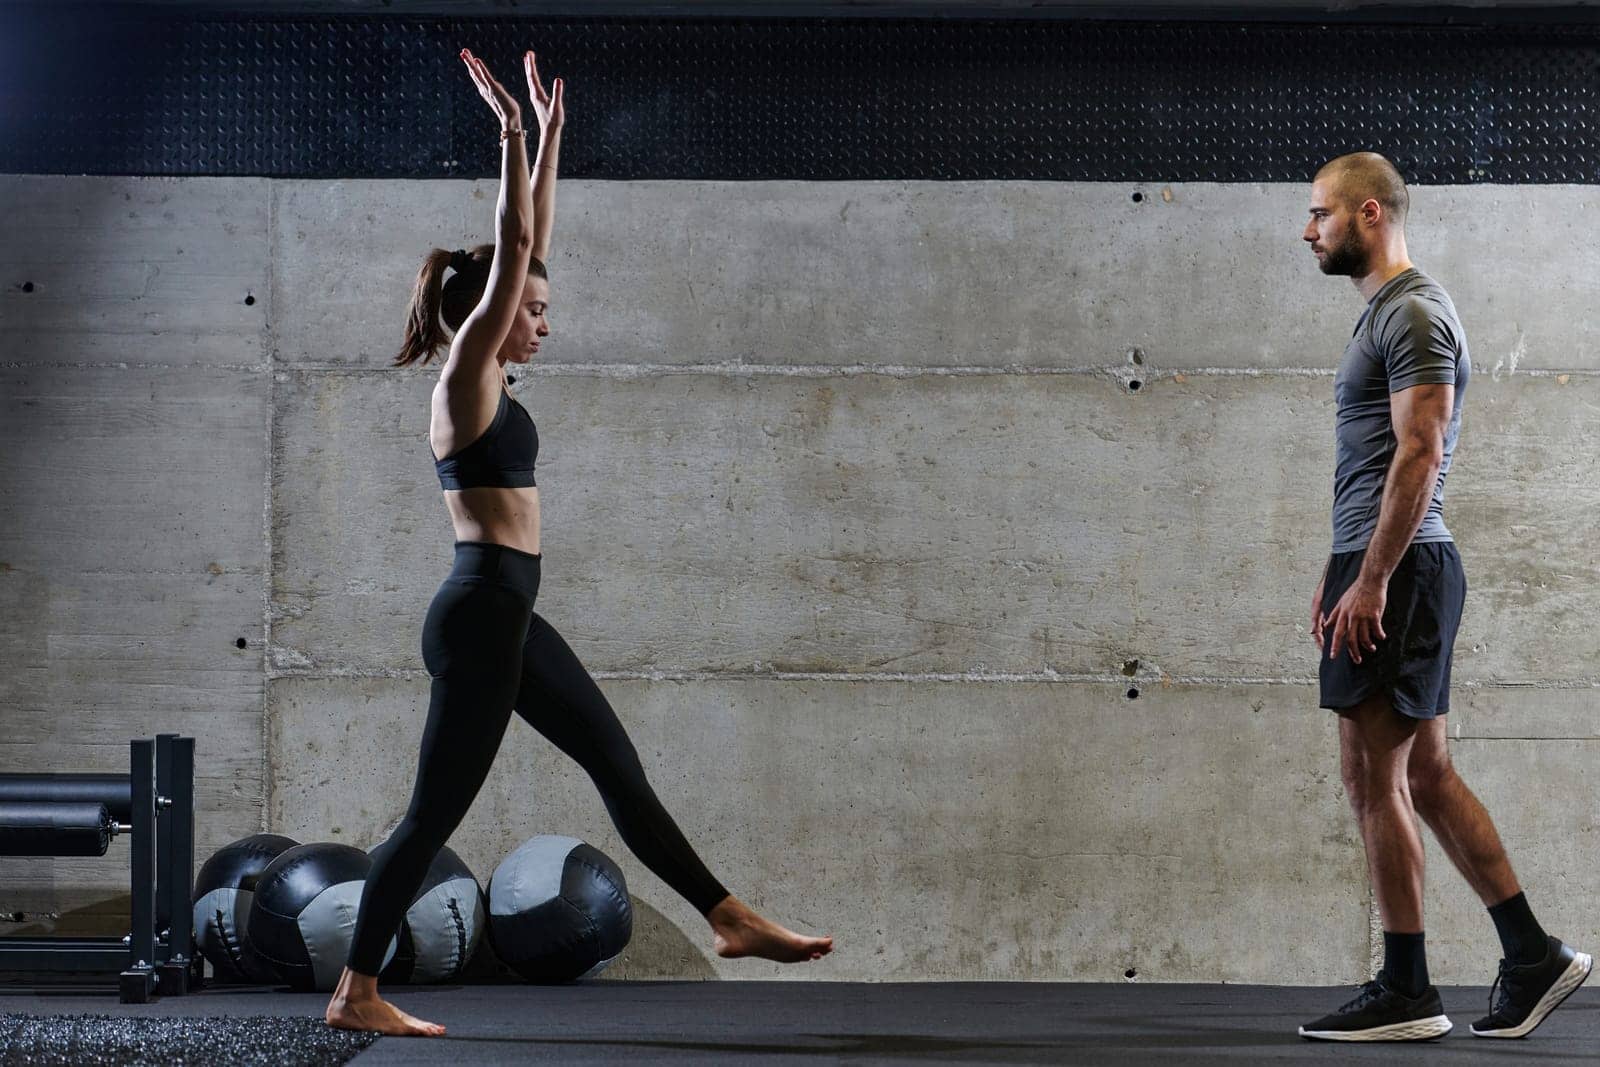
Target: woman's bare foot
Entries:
(356, 1006)
(741, 932)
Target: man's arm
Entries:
(1421, 416)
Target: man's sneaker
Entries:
(1379, 1013)
(1523, 996)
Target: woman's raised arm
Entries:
(481, 335)
(548, 108)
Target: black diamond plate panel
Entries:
(812, 99)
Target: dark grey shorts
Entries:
(1420, 618)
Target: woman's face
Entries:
(530, 326)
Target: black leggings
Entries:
(489, 654)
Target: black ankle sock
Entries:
(1405, 963)
(1521, 936)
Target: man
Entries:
(1385, 616)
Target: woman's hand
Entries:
(547, 106)
(504, 104)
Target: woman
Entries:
(486, 650)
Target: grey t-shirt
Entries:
(1409, 335)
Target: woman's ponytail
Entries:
(438, 305)
(424, 333)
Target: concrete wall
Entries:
(134, 417)
(945, 547)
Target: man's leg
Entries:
(1538, 972)
(1375, 743)
(1457, 818)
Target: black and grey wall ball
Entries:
(303, 916)
(442, 927)
(223, 891)
(558, 910)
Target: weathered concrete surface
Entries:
(987, 830)
(134, 270)
(937, 274)
(1003, 523)
(131, 565)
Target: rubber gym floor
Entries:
(607, 1022)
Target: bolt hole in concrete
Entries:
(240, 643)
(1130, 974)
(1134, 384)
(1133, 692)
(1138, 198)
(1130, 667)
(249, 299)
(27, 287)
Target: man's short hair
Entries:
(1362, 176)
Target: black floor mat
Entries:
(114, 1039)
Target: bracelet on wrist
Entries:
(514, 131)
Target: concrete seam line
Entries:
(90, 572)
(686, 675)
(974, 677)
(629, 371)
(268, 577)
(122, 364)
(768, 370)
(1518, 737)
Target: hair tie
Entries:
(459, 260)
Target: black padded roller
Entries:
(34, 828)
(115, 791)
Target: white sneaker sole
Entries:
(1574, 976)
(1415, 1030)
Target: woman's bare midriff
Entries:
(498, 516)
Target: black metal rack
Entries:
(78, 814)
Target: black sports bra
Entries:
(503, 456)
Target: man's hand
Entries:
(1316, 611)
(1357, 620)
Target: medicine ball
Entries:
(558, 910)
(223, 891)
(442, 927)
(303, 917)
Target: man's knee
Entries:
(1429, 772)
(1356, 770)
(1369, 781)
(1430, 781)
(1353, 775)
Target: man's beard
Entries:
(1346, 259)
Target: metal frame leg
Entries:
(175, 861)
(138, 980)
